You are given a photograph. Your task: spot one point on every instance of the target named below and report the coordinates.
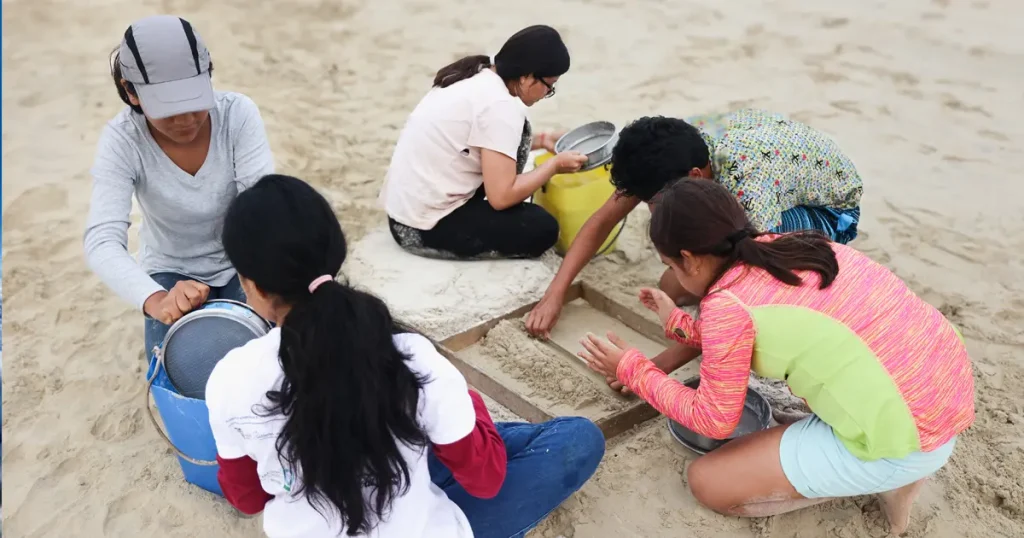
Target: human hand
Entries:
(568, 162)
(603, 356)
(544, 316)
(658, 302)
(546, 141)
(169, 306)
(615, 385)
(552, 138)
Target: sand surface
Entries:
(925, 95)
(579, 318)
(544, 374)
(441, 298)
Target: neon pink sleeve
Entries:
(725, 334)
(682, 328)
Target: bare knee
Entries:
(700, 477)
(671, 286)
(669, 283)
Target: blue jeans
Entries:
(547, 463)
(155, 331)
(839, 225)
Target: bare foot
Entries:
(896, 505)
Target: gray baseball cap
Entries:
(167, 62)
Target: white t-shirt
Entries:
(238, 386)
(436, 164)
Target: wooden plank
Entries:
(611, 423)
(621, 422)
(470, 336)
(501, 394)
(575, 292)
(581, 317)
(473, 335)
(628, 317)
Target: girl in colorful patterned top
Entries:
(887, 377)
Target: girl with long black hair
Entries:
(340, 421)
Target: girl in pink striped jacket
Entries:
(885, 374)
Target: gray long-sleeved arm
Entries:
(252, 156)
(106, 231)
(182, 213)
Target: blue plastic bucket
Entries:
(214, 329)
(187, 422)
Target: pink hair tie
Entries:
(319, 280)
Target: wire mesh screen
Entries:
(197, 346)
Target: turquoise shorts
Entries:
(818, 464)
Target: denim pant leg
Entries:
(154, 330)
(840, 225)
(547, 463)
(231, 291)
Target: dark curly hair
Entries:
(653, 152)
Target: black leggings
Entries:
(478, 231)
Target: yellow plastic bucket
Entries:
(572, 199)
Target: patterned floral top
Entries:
(883, 368)
(772, 163)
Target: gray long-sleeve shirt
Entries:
(181, 214)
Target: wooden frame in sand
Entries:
(489, 378)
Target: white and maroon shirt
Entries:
(254, 478)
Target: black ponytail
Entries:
(535, 50)
(702, 217)
(460, 70)
(350, 400)
(348, 395)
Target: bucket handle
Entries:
(158, 353)
(614, 239)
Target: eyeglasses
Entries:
(551, 88)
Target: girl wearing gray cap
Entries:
(456, 187)
(184, 151)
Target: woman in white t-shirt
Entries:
(339, 421)
(456, 187)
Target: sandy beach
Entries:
(924, 95)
